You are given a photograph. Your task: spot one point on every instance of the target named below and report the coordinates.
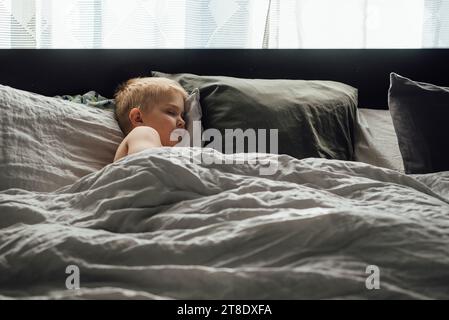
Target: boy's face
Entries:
(166, 117)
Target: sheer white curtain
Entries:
(436, 24)
(224, 23)
(348, 24)
(131, 23)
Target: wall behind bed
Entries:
(73, 71)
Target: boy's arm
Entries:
(141, 138)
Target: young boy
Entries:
(148, 110)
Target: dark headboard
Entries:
(72, 71)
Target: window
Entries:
(224, 23)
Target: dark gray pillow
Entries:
(420, 113)
(313, 118)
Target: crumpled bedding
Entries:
(158, 225)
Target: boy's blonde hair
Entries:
(143, 93)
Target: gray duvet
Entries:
(158, 225)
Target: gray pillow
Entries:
(48, 143)
(313, 118)
(420, 113)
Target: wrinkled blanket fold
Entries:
(161, 224)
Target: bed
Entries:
(197, 223)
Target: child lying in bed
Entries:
(148, 110)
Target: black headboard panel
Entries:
(72, 71)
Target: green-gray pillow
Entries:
(313, 118)
(420, 112)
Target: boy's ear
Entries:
(135, 117)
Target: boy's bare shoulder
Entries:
(138, 139)
(143, 131)
(143, 137)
